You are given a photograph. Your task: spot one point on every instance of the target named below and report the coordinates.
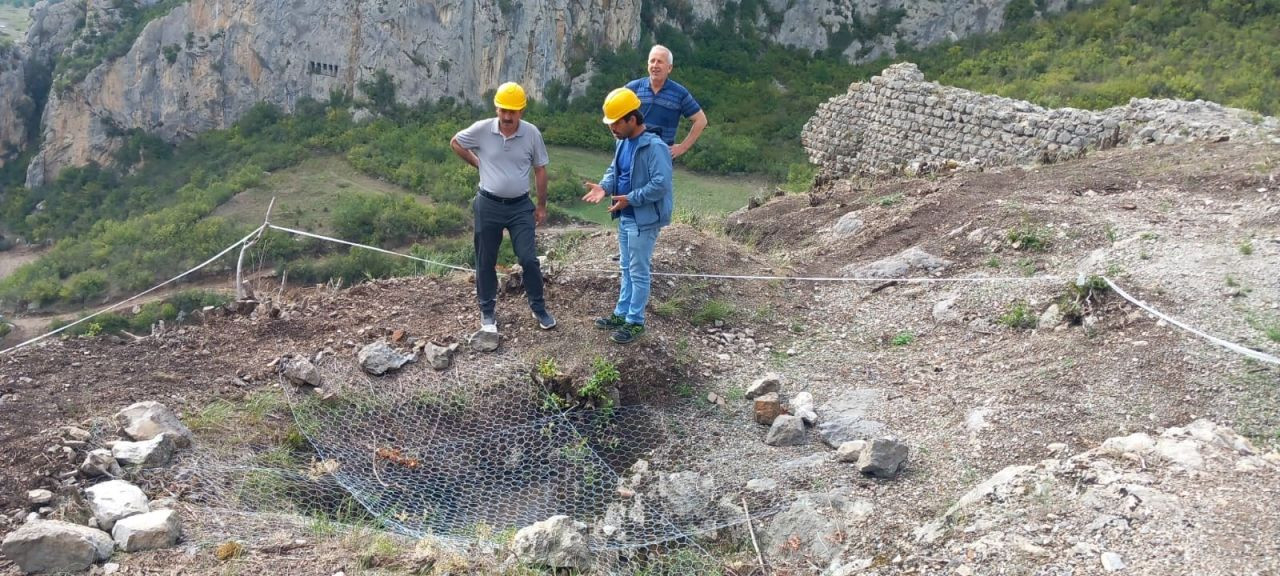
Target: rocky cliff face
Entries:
(813, 24)
(52, 30)
(206, 62)
(13, 99)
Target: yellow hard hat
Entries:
(510, 96)
(618, 103)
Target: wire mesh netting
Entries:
(477, 451)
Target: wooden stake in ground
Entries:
(752, 531)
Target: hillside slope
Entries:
(1192, 229)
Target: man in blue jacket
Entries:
(639, 182)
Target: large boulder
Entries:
(114, 500)
(786, 431)
(883, 458)
(837, 431)
(814, 527)
(55, 546)
(302, 371)
(379, 358)
(151, 453)
(555, 543)
(146, 420)
(150, 531)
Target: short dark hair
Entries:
(639, 116)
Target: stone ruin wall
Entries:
(899, 122)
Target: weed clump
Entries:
(1081, 297)
(1019, 316)
(1029, 238)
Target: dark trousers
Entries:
(491, 218)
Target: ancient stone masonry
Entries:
(899, 122)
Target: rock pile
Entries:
(118, 515)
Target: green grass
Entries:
(306, 195)
(16, 21)
(697, 193)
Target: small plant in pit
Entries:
(1029, 238)
(1081, 297)
(604, 377)
(547, 367)
(1019, 316)
(903, 338)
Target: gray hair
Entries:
(671, 58)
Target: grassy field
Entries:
(697, 193)
(305, 195)
(14, 22)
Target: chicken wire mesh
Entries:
(471, 454)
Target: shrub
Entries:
(1029, 238)
(1019, 316)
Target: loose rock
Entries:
(55, 546)
(146, 420)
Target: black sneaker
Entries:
(610, 322)
(628, 333)
(545, 320)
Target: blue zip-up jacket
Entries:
(651, 196)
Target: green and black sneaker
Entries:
(610, 322)
(628, 333)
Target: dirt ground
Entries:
(1193, 230)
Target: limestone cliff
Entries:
(208, 61)
(814, 24)
(25, 69)
(14, 100)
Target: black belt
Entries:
(500, 199)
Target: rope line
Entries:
(848, 278)
(136, 296)
(1256, 355)
(367, 247)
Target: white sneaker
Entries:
(488, 322)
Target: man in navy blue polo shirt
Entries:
(663, 102)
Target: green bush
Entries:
(1019, 316)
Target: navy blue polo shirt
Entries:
(663, 110)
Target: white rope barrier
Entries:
(136, 296)
(1220, 342)
(967, 279)
(849, 278)
(375, 249)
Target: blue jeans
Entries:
(636, 256)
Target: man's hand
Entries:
(619, 203)
(539, 214)
(678, 149)
(594, 192)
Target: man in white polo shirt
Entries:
(505, 149)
